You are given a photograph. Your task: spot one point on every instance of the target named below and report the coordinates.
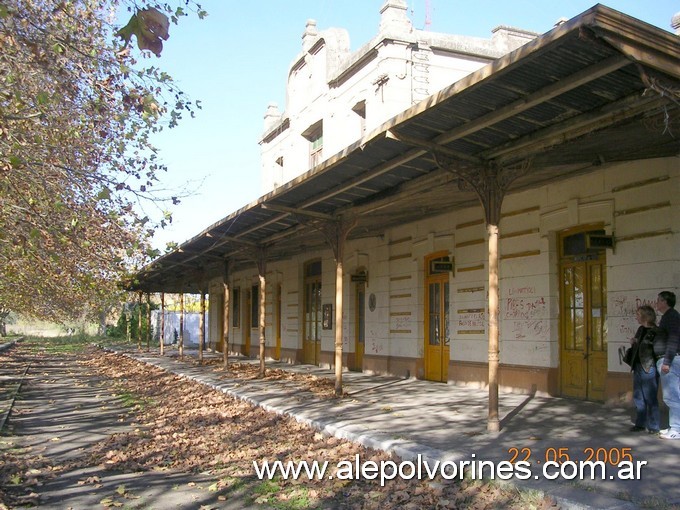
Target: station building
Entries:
(464, 210)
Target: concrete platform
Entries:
(441, 422)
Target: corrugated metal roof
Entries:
(586, 93)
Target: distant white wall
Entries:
(191, 327)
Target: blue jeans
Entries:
(645, 390)
(670, 389)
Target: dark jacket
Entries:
(643, 351)
(670, 323)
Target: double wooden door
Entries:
(583, 320)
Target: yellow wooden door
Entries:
(437, 330)
(597, 343)
(359, 326)
(583, 324)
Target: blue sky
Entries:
(236, 61)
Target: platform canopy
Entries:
(601, 88)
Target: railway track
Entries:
(14, 369)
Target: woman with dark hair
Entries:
(645, 375)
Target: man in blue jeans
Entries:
(669, 365)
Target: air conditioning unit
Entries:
(599, 241)
(360, 277)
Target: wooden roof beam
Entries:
(432, 146)
(573, 128)
(566, 84)
(298, 211)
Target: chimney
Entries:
(310, 35)
(271, 116)
(675, 23)
(393, 17)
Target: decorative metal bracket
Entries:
(489, 181)
(336, 233)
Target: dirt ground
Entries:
(93, 429)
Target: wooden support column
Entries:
(139, 323)
(201, 328)
(490, 183)
(211, 342)
(181, 326)
(148, 321)
(262, 270)
(335, 229)
(336, 234)
(491, 188)
(225, 327)
(338, 319)
(493, 424)
(225, 318)
(259, 254)
(161, 336)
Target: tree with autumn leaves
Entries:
(79, 105)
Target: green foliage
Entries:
(74, 343)
(150, 27)
(77, 112)
(133, 400)
(67, 344)
(128, 322)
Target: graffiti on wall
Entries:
(627, 328)
(524, 308)
(536, 328)
(525, 313)
(373, 345)
(626, 306)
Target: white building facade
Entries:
(334, 97)
(550, 286)
(582, 244)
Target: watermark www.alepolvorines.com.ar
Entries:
(422, 469)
